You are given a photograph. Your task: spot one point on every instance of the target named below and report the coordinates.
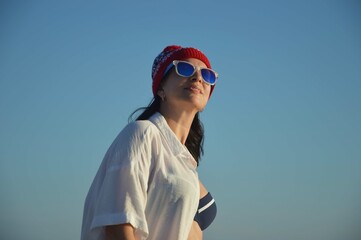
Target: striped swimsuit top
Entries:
(207, 211)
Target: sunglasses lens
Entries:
(185, 69)
(209, 76)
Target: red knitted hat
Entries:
(168, 55)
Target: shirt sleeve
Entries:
(123, 193)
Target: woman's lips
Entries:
(194, 89)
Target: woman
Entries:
(147, 186)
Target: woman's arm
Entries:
(119, 232)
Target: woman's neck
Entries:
(179, 121)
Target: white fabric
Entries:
(148, 179)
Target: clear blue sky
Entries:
(283, 127)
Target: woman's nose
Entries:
(197, 76)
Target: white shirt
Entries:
(148, 179)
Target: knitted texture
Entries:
(168, 55)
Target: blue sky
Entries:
(283, 133)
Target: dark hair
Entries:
(194, 142)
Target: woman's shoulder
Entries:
(137, 134)
(134, 143)
(139, 126)
(139, 129)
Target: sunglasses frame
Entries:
(195, 68)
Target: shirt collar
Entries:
(175, 145)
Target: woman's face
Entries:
(190, 93)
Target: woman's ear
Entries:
(161, 93)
